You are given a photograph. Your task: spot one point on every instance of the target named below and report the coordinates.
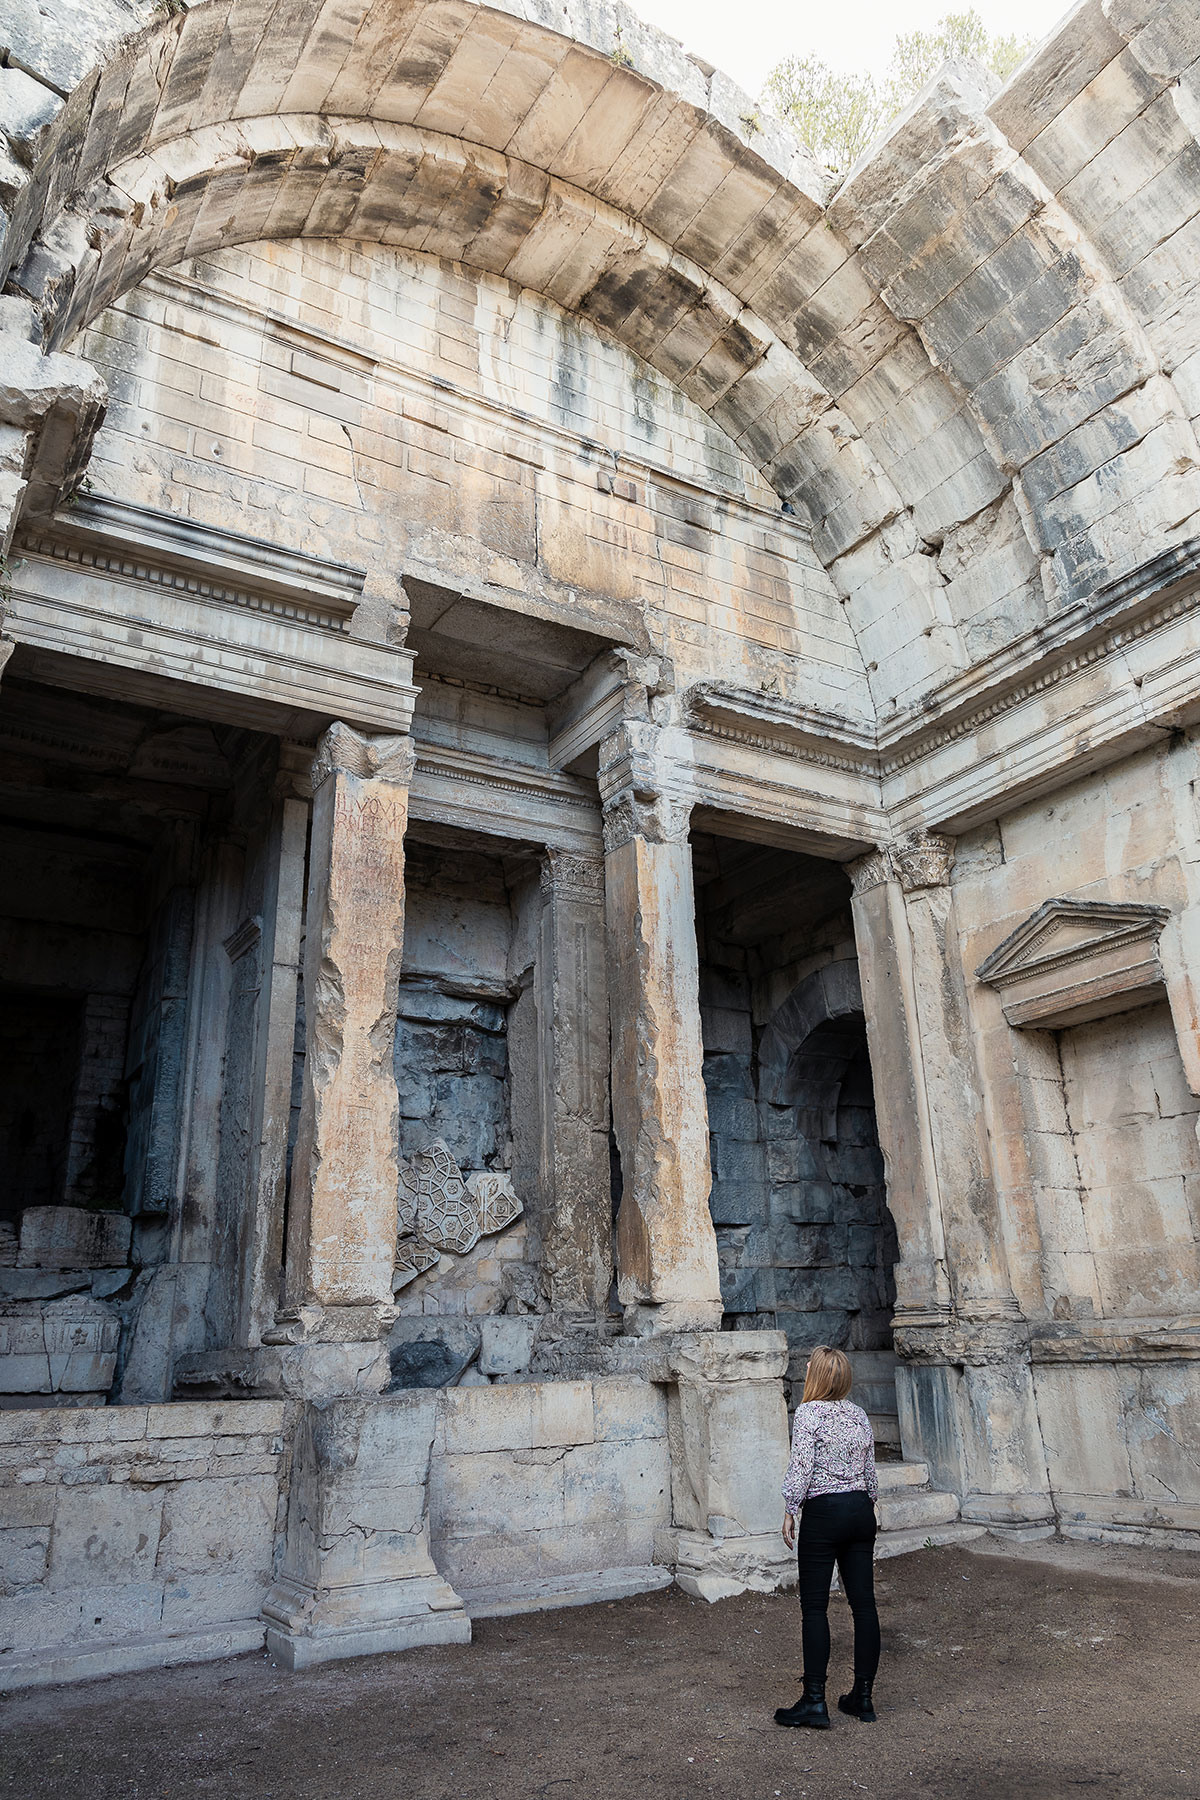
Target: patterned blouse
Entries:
(833, 1452)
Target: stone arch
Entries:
(809, 1043)
(965, 461)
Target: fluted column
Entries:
(342, 1209)
(667, 1276)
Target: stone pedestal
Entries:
(358, 1577)
(342, 1211)
(667, 1276)
(728, 1435)
(573, 1217)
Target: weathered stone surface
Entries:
(344, 1185)
(666, 1252)
(67, 1237)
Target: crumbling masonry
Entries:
(599, 784)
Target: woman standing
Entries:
(831, 1485)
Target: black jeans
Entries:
(838, 1528)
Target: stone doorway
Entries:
(805, 1238)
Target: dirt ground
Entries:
(1057, 1671)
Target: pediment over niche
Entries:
(1074, 960)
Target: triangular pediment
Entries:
(1063, 931)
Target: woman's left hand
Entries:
(789, 1530)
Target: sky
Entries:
(746, 38)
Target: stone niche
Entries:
(805, 1238)
(462, 1243)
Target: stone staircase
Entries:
(914, 1515)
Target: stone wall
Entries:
(135, 1536)
(546, 1493)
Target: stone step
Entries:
(901, 1475)
(921, 1537)
(885, 1428)
(916, 1509)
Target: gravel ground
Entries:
(1056, 1671)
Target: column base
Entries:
(710, 1568)
(307, 1626)
(1023, 1517)
(657, 1318)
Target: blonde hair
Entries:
(829, 1374)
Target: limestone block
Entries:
(626, 1408)
(24, 1551)
(618, 1481)
(189, 1601)
(562, 1412)
(357, 1573)
(105, 1535)
(491, 1418)
(507, 1344)
(492, 1492)
(69, 1237)
(717, 1570)
(211, 1526)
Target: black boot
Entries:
(810, 1709)
(858, 1702)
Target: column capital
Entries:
(568, 876)
(923, 859)
(870, 871)
(659, 818)
(387, 757)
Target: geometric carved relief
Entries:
(1074, 960)
(437, 1209)
(493, 1193)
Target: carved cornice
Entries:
(222, 568)
(566, 876)
(1084, 634)
(923, 860)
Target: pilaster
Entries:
(342, 1210)
(667, 1275)
(964, 1384)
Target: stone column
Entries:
(573, 1217)
(342, 1209)
(667, 1276)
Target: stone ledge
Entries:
(585, 1589)
(86, 1662)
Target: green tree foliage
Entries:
(839, 115)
